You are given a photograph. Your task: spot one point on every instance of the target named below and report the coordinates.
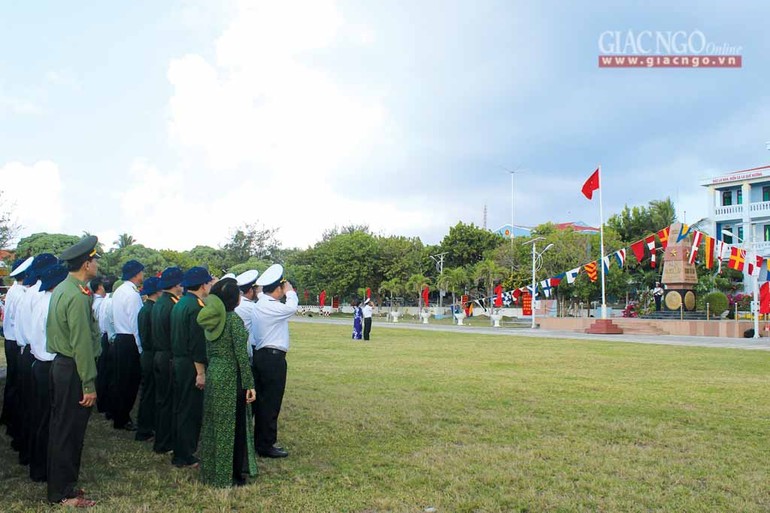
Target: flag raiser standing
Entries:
(592, 184)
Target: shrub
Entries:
(717, 302)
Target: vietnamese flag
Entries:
(322, 298)
(425, 295)
(498, 296)
(591, 185)
(764, 298)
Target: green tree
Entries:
(466, 244)
(399, 257)
(635, 223)
(124, 240)
(453, 280)
(250, 240)
(416, 283)
(45, 243)
(343, 263)
(488, 272)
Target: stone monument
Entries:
(679, 276)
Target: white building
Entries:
(739, 203)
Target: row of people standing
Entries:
(169, 345)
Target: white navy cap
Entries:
(22, 267)
(228, 275)
(247, 278)
(274, 274)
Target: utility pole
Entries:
(439, 259)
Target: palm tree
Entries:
(416, 283)
(124, 240)
(393, 286)
(489, 271)
(453, 280)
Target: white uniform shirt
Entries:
(367, 311)
(126, 303)
(246, 310)
(37, 343)
(271, 321)
(95, 307)
(105, 318)
(12, 298)
(24, 321)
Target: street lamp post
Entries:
(535, 257)
(754, 281)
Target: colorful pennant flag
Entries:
(591, 185)
(546, 286)
(620, 255)
(696, 238)
(572, 275)
(532, 291)
(591, 270)
(723, 250)
(638, 249)
(650, 241)
(663, 237)
(508, 298)
(737, 259)
(684, 231)
(556, 280)
(709, 251)
(606, 263)
(425, 295)
(516, 294)
(755, 264)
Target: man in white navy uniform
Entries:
(271, 327)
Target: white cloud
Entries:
(34, 194)
(64, 78)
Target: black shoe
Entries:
(239, 481)
(273, 452)
(128, 426)
(144, 437)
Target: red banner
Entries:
(425, 296)
(368, 292)
(322, 298)
(498, 296)
(526, 303)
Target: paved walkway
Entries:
(762, 344)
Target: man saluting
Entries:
(72, 335)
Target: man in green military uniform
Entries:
(188, 344)
(73, 336)
(145, 429)
(160, 321)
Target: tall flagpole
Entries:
(601, 242)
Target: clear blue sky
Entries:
(177, 121)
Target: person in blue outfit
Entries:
(358, 317)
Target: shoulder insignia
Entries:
(174, 299)
(201, 303)
(85, 290)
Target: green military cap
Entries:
(84, 249)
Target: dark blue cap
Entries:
(150, 286)
(52, 276)
(41, 262)
(17, 263)
(131, 269)
(196, 276)
(171, 277)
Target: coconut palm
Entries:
(416, 283)
(453, 280)
(124, 240)
(488, 271)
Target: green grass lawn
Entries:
(464, 422)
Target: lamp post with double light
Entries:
(754, 281)
(537, 259)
